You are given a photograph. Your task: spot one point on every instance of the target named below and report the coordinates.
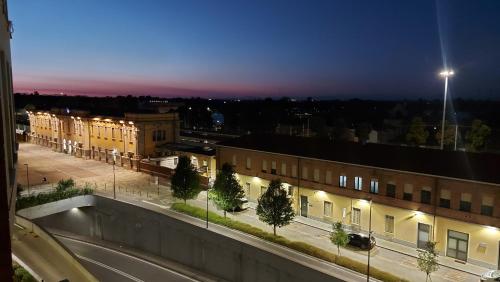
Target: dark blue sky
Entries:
(366, 49)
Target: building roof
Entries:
(207, 151)
(482, 167)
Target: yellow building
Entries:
(130, 137)
(415, 194)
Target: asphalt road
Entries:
(110, 265)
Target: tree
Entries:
(449, 135)
(185, 181)
(226, 192)
(427, 259)
(363, 130)
(476, 137)
(417, 134)
(274, 207)
(338, 236)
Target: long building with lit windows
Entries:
(415, 194)
(131, 137)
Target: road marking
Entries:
(154, 204)
(110, 268)
(126, 255)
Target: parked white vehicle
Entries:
(491, 276)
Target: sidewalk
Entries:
(382, 243)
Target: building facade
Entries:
(415, 195)
(8, 147)
(129, 138)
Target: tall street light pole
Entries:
(446, 74)
(369, 242)
(114, 175)
(27, 179)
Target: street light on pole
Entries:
(114, 152)
(27, 179)
(369, 241)
(446, 74)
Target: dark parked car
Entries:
(361, 241)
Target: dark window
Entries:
(391, 190)
(465, 206)
(407, 196)
(444, 203)
(154, 135)
(486, 210)
(425, 197)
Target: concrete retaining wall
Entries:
(182, 242)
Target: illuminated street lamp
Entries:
(369, 239)
(114, 153)
(446, 74)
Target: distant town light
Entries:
(121, 121)
(130, 122)
(108, 119)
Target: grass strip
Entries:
(295, 245)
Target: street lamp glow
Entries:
(447, 73)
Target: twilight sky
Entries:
(227, 48)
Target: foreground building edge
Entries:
(8, 148)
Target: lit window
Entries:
(273, 167)
(444, 199)
(425, 195)
(487, 206)
(234, 160)
(343, 181)
(408, 192)
(264, 166)
(327, 209)
(465, 202)
(358, 183)
(389, 224)
(356, 216)
(249, 163)
(374, 186)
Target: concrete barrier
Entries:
(56, 207)
(55, 245)
(243, 259)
